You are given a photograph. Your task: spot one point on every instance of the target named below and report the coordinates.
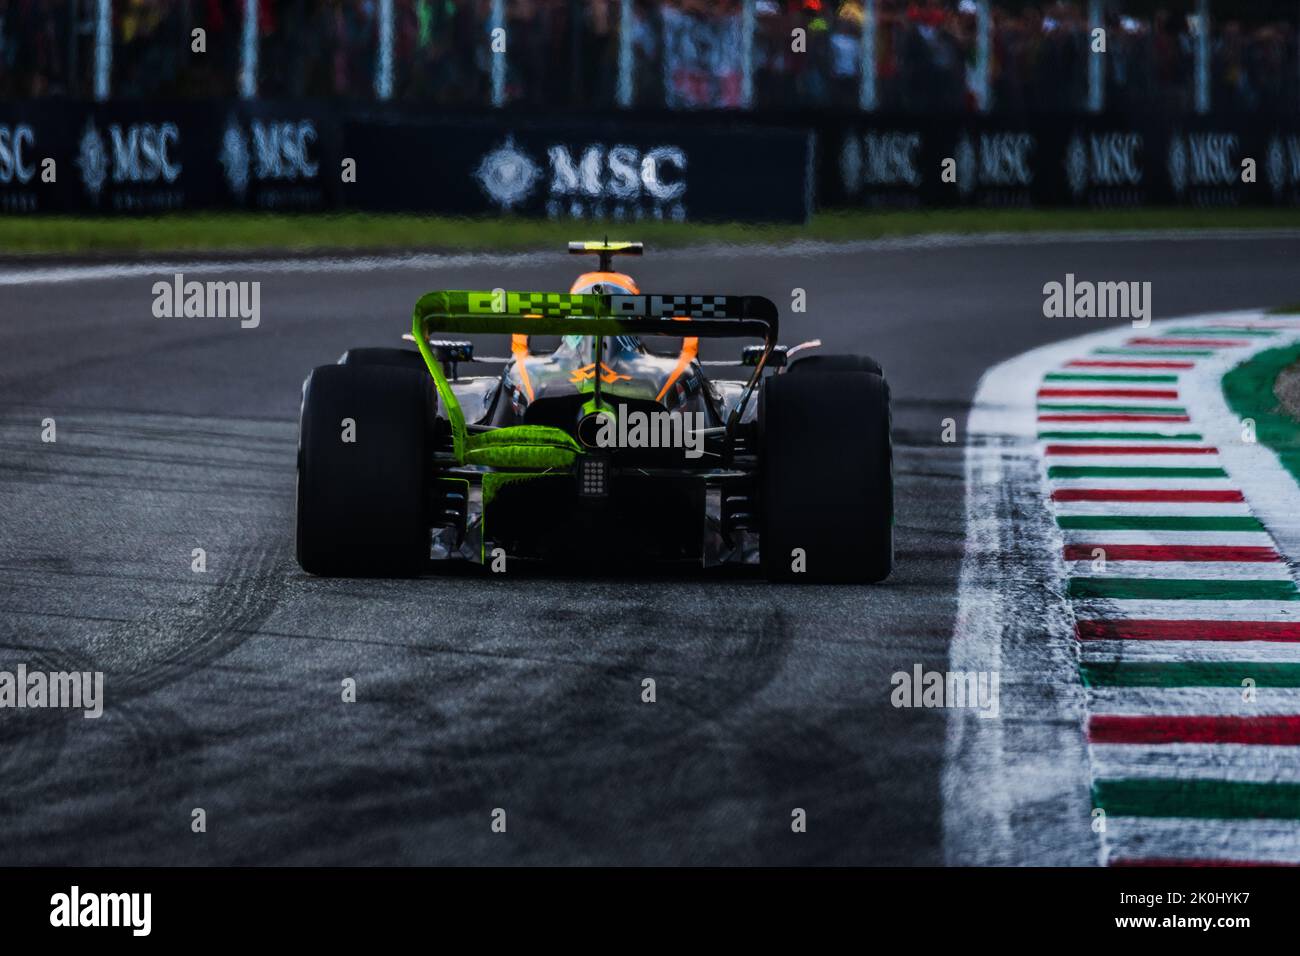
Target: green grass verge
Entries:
(1248, 389)
(1285, 309)
(218, 232)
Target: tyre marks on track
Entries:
(99, 536)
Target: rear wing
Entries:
(619, 248)
(606, 250)
(577, 313)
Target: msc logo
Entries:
(619, 173)
(880, 159)
(17, 145)
(1103, 159)
(279, 151)
(1282, 165)
(995, 159)
(1203, 159)
(616, 179)
(138, 153)
(507, 174)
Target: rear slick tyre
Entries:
(363, 504)
(835, 363)
(826, 480)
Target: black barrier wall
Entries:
(140, 157)
(1059, 161)
(582, 169)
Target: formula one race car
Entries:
(599, 450)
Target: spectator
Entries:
(686, 53)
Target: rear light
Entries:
(593, 477)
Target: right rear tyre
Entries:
(835, 363)
(826, 481)
(400, 358)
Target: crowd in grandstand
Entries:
(686, 53)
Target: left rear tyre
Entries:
(364, 452)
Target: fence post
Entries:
(384, 62)
(103, 48)
(867, 97)
(497, 22)
(248, 52)
(747, 26)
(625, 53)
(1096, 65)
(1203, 56)
(74, 24)
(983, 57)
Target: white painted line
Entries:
(1015, 789)
(1147, 462)
(1191, 651)
(307, 262)
(1154, 838)
(1134, 508)
(1184, 570)
(1269, 487)
(1192, 701)
(1245, 762)
(1234, 539)
(1090, 608)
(1144, 484)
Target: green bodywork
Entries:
(514, 447)
(521, 446)
(524, 453)
(563, 313)
(585, 313)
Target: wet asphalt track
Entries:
(223, 689)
